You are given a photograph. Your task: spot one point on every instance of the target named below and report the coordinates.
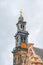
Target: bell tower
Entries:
(21, 37)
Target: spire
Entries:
(21, 13)
(21, 16)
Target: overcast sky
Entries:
(9, 13)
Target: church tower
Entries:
(21, 37)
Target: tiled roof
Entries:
(39, 52)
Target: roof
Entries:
(22, 32)
(39, 52)
(23, 22)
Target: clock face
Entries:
(23, 45)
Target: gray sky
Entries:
(9, 13)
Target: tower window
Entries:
(21, 39)
(24, 39)
(21, 26)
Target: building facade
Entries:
(24, 54)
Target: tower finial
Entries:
(21, 12)
(21, 17)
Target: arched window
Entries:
(24, 39)
(21, 39)
(21, 25)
